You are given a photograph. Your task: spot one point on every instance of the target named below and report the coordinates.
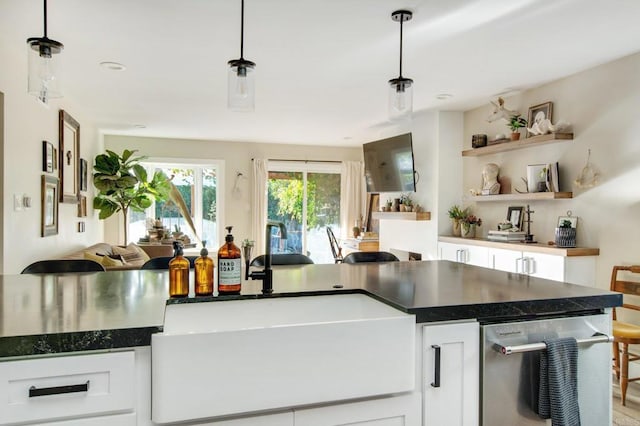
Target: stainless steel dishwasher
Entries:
(509, 369)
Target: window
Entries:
(200, 185)
(306, 197)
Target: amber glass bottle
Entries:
(178, 274)
(204, 273)
(229, 266)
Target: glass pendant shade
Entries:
(241, 85)
(400, 98)
(43, 81)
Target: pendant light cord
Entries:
(45, 18)
(401, 21)
(241, 30)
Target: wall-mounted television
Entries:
(388, 165)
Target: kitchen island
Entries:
(112, 311)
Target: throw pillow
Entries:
(131, 253)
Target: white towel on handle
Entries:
(558, 393)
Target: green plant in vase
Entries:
(457, 214)
(468, 226)
(515, 123)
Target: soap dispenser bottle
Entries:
(204, 273)
(178, 273)
(229, 266)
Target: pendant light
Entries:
(400, 89)
(43, 81)
(241, 87)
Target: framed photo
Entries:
(47, 157)
(515, 216)
(538, 113)
(80, 226)
(373, 205)
(49, 203)
(68, 171)
(83, 174)
(572, 219)
(56, 160)
(537, 177)
(82, 206)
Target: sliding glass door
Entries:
(306, 197)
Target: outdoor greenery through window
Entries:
(306, 197)
(199, 186)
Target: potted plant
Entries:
(516, 122)
(406, 203)
(468, 226)
(457, 214)
(565, 234)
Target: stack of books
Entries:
(509, 236)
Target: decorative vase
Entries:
(468, 230)
(456, 227)
(515, 136)
(395, 206)
(566, 237)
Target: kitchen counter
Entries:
(41, 314)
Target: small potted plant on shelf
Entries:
(457, 214)
(468, 226)
(516, 122)
(565, 234)
(406, 203)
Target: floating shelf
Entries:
(402, 215)
(513, 145)
(529, 196)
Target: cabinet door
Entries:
(401, 410)
(506, 260)
(545, 266)
(279, 419)
(472, 255)
(451, 383)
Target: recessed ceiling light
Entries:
(113, 66)
(139, 126)
(443, 96)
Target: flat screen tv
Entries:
(388, 165)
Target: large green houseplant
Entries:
(123, 184)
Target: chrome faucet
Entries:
(266, 275)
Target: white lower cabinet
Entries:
(472, 255)
(451, 374)
(402, 410)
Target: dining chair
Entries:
(369, 256)
(283, 259)
(162, 262)
(336, 250)
(625, 333)
(60, 266)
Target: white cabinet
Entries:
(392, 411)
(451, 374)
(92, 389)
(470, 254)
(572, 269)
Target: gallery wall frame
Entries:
(48, 159)
(84, 174)
(69, 158)
(49, 205)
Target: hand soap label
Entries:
(229, 271)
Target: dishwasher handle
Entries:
(530, 347)
(436, 367)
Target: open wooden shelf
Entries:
(529, 196)
(402, 215)
(523, 143)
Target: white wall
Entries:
(602, 104)
(237, 157)
(26, 124)
(437, 140)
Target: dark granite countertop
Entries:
(41, 314)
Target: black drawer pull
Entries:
(436, 366)
(58, 390)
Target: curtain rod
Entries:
(303, 161)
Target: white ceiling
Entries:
(322, 65)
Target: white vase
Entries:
(468, 230)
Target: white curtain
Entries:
(259, 203)
(352, 196)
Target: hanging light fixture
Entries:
(43, 82)
(400, 89)
(241, 87)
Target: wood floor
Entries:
(628, 415)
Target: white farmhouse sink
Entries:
(222, 358)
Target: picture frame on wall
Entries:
(48, 158)
(83, 174)
(538, 113)
(572, 219)
(49, 205)
(69, 167)
(82, 206)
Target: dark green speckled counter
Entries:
(43, 314)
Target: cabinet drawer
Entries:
(35, 390)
